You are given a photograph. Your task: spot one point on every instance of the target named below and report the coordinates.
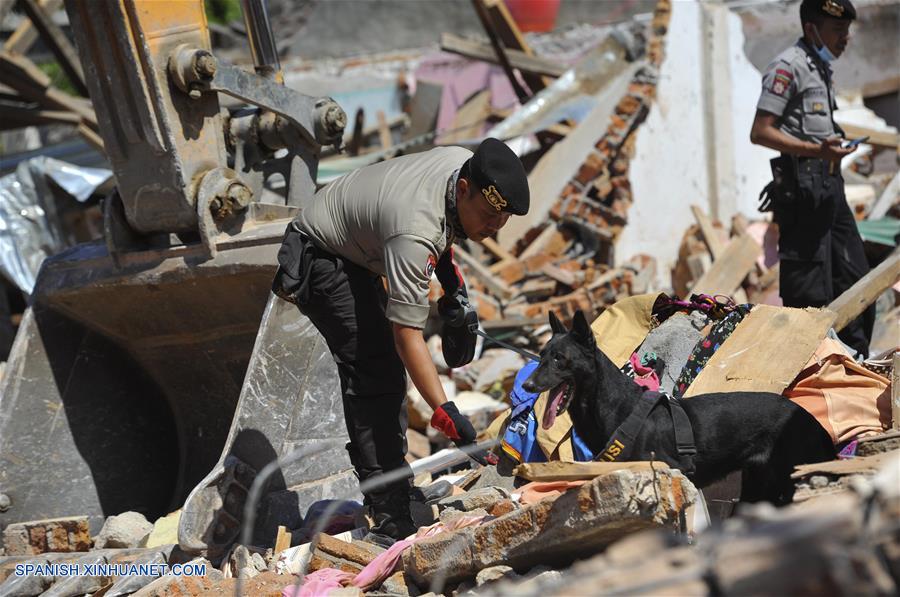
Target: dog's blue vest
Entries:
(621, 445)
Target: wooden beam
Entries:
(526, 63)
(491, 29)
(876, 137)
(59, 44)
(498, 251)
(491, 282)
(384, 133)
(282, 540)
(25, 34)
(23, 75)
(895, 392)
(581, 471)
(855, 299)
(726, 273)
(469, 119)
(17, 116)
(710, 235)
(512, 38)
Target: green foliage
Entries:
(58, 77)
(223, 11)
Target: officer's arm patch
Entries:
(430, 265)
(781, 82)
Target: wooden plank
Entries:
(384, 133)
(59, 44)
(766, 351)
(517, 58)
(23, 75)
(282, 540)
(512, 38)
(490, 28)
(562, 276)
(498, 251)
(876, 137)
(491, 282)
(578, 471)
(726, 273)
(895, 392)
(469, 119)
(855, 299)
(886, 200)
(710, 234)
(21, 40)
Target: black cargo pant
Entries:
(346, 304)
(820, 250)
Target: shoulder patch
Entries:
(782, 81)
(430, 265)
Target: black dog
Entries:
(762, 434)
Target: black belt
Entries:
(621, 445)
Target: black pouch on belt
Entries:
(294, 260)
(781, 193)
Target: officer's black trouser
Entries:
(346, 304)
(820, 249)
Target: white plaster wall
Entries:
(669, 172)
(751, 165)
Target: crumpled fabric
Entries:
(847, 399)
(642, 375)
(320, 582)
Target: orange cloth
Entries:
(533, 492)
(847, 399)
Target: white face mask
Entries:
(823, 51)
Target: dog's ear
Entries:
(582, 330)
(556, 325)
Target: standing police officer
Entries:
(820, 250)
(397, 219)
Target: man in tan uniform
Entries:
(820, 249)
(397, 220)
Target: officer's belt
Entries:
(621, 445)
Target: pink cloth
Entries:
(535, 491)
(644, 376)
(322, 581)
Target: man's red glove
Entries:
(448, 420)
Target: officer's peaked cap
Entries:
(835, 9)
(499, 175)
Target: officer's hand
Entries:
(831, 150)
(448, 420)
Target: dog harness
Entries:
(621, 445)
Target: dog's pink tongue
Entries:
(552, 407)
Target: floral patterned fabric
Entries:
(706, 348)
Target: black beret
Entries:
(500, 177)
(835, 9)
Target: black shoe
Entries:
(392, 518)
(431, 494)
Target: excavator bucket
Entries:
(123, 382)
(157, 367)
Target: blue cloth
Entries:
(520, 438)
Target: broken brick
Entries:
(52, 535)
(576, 524)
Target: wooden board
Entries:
(512, 38)
(576, 471)
(282, 540)
(766, 351)
(469, 119)
(855, 299)
(895, 392)
(876, 137)
(478, 51)
(710, 234)
(727, 272)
